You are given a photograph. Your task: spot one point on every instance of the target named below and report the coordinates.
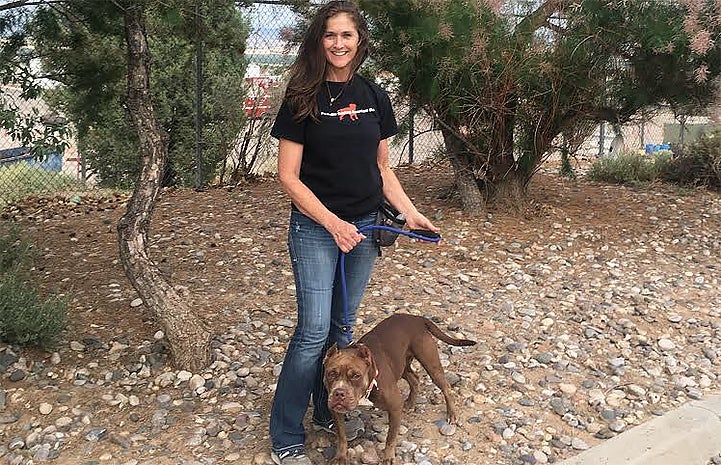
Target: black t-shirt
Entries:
(340, 150)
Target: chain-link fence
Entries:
(24, 173)
(268, 55)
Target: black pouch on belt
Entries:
(390, 217)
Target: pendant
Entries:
(332, 100)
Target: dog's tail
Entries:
(436, 331)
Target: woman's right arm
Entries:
(290, 155)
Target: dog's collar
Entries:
(373, 384)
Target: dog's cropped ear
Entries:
(364, 352)
(332, 350)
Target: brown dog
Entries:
(372, 367)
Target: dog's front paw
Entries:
(452, 417)
(389, 457)
(340, 460)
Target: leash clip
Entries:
(348, 332)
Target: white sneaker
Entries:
(294, 457)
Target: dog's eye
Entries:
(354, 376)
(332, 374)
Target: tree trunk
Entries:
(472, 198)
(500, 182)
(510, 193)
(186, 332)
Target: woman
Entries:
(333, 163)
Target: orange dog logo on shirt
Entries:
(350, 111)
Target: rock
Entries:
(196, 382)
(579, 444)
(7, 359)
(45, 408)
(64, 422)
(710, 353)
(617, 426)
(16, 443)
(17, 375)
(447, 429)
(666, 344)
(42, 453)
(232, 407)
(694, 393)
(96, 434)
(7, 418)
(544, 358)
(183, 376)
(540, 457)
(567, 388)
(77, 346)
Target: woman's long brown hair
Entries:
(307, 73)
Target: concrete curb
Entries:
(689, 435)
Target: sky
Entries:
(267, 21)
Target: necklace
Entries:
(331, 98)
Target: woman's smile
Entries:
(340, 42)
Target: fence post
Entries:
(681, 129)
(83, 167)
(642, 131)
(601, 136)
(198, 97)
(411, 131)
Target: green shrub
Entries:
(25, 319)
(699, 164)
(630, 168)
(16, 253)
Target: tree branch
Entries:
(21, 3)
(539, 18)
(12, 5)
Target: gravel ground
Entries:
(594, 310)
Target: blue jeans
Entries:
(315, 258)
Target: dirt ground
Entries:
(225, 249)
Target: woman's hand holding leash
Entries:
(422, 226)
(346, 235)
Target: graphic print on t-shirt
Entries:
(351, 111)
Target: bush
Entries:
(15, 253)
(699, 164)
(25, 319)
(630, 168)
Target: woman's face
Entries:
(340, 42)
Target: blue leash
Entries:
(424, 235)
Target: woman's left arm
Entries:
(396, 196)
